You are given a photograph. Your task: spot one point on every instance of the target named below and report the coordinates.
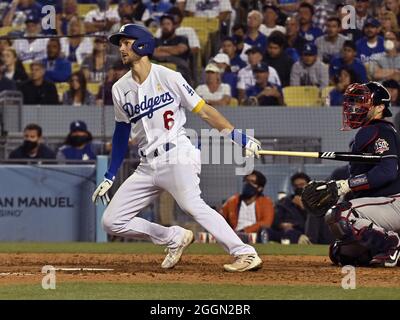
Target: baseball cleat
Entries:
(387, 259)
(174, 254)
(390, 258)
(244, 262)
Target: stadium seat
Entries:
(301, 96)
(27, 67)
(201, 23)
(62, 87)
(233, 102)
(76, 67)
(325, 95)
(5, 30)
(84, 8)
(168, 65)
(93, 87)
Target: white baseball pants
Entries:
(175, 171)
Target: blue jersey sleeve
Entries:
(119, 146)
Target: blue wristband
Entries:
(239, 137)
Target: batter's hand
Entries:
(101, 191)
(252, 147)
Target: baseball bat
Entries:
(339, 156)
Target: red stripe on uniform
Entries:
(374, 204)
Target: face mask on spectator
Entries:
(248, 191)
(298, 191)
(389, 45)
(28, 145)
(77, 141)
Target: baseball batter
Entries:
(149, 103)
(366, 227)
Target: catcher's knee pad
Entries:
(340, 225)
(349, 253)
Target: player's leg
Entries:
(136, 193)
(371, 222)
(182, 181)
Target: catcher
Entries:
(366, 228)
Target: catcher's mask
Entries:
(357, 102)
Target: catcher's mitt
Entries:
(319, 196)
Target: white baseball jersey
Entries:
(155, 108)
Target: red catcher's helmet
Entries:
(357, 101)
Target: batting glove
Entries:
(250, 144)
(101, 192)
(343, 187)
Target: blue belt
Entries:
(166, 147)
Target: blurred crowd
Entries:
(261, 48)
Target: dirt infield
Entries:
(145, 268)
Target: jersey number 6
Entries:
(168, 120)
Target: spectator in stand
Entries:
(75, 49)
(239, 32)
(254, 37)
(78, 95)
(7, 84)
(331, 43)
(277, 58)
(5, 44)
(307, 31)
(362, 7)
(322, 10)
(227, 76)
(12, 67)
(387, 67)
(214, 92)
(394, 90)
(102, 18)
(389, 23)
(104, 96)
(140, 12)
(58, 69)
(173, 48)
(371, 46)
(33, 146)
(78, 145)
(157, 9)
(95, 65)
(263, 93)
(271, 16)
(229, 47)
(31, 49)
(346, 77)
(309, 71)
(188, 32)
(246, 77)
(249, 211)
(68, 13)
(18, 7)
(294, 41)
(220, 9)
(37, 90)
(349, 59)
(393, 6)
(290, 215)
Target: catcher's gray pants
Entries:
(382, 212)
(175, 171)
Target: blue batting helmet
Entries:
(145, 42)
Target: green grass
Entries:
(143, 247)
(175, 291)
